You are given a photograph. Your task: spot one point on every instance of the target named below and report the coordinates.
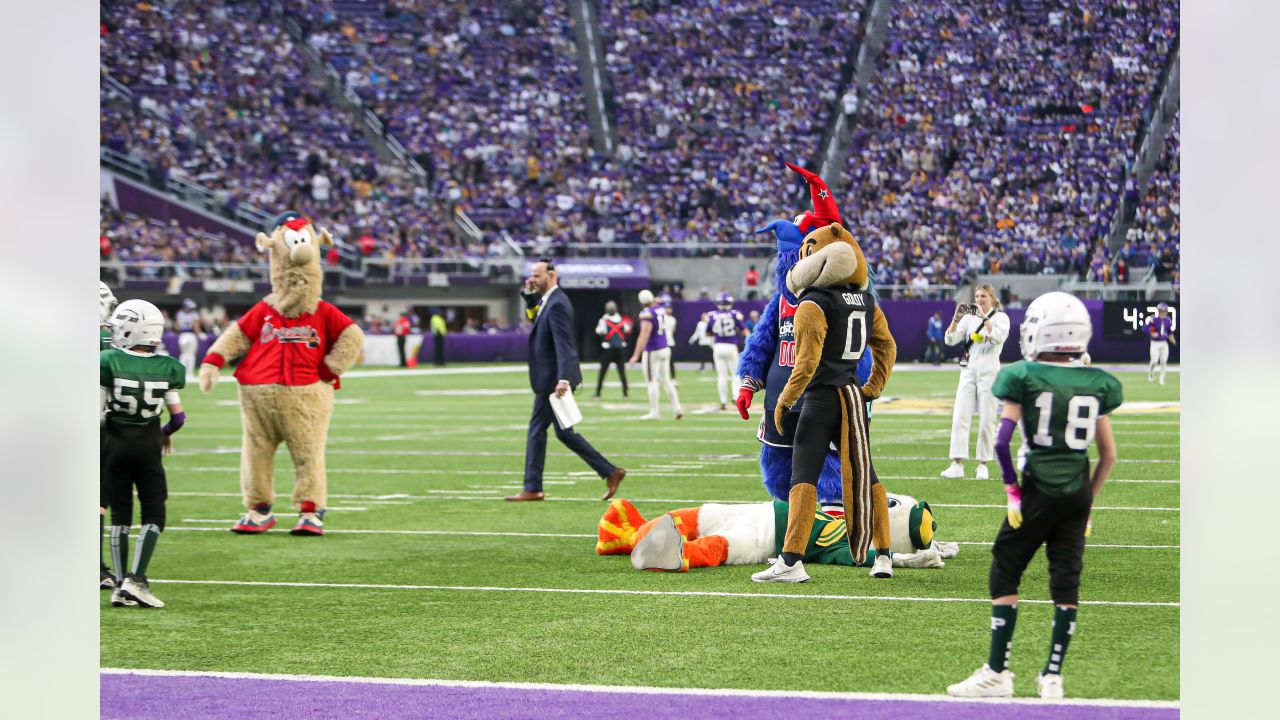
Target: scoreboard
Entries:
(1126, 319)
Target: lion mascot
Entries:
(769, 355)
(714, 534)
(294, 346)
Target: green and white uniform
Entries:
(1060, 410)
(1061, 405)
(136, 384)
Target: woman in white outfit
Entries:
(984, 333)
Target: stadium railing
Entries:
(184, 190)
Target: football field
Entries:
(426, 573)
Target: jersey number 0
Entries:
(856, 343)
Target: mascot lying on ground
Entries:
(295, 346)
(713, 534)
(769, 356)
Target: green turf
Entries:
(428, 453)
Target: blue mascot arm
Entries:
(758, 352)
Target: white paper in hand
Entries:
(566, 410)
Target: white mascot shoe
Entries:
(781, 572)
(883, 567)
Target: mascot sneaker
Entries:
(984, 682)
(309, 523)
(781, 572)
(953, 472)
(883, 567)
(119, 599)
(257, 520)
(661, 549)
(1050, 686)
(137, 589)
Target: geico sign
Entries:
(601, 283)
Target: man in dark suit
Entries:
(553, 367)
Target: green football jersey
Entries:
(828, 541)
(104, 338)
(1060, 410)
(136, 384)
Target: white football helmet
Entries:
(645, 298)
(106, 302)
(136, 322)
(1056, 322)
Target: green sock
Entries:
(1003, 619)
(119, 550)
(147, 538)
(1064, 626)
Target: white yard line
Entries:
(658, 593)
(640, 689)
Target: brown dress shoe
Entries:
(525, 496)
(612, 482)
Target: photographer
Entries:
(981, 328)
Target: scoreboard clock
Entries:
(1126, 319)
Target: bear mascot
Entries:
(713, 534)
(294, 346)
(769, 355)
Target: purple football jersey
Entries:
(725, 325)
(1158, 328)
(656, 315)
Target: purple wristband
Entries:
(1003, 454)
(176, 420)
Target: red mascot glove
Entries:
(744, 401)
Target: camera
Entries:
(969, 309)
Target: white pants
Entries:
(974, 393)
(1159, 358)
(725, 356)
(188, 343)
(657, 369)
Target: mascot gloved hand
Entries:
(294, 346)
(769, 355)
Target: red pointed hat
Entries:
(825, 211)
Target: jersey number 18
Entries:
(1082, 420)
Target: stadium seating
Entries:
(996, 134)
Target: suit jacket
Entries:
(552, 356)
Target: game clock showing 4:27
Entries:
(1127, 319)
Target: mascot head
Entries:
(911, 524)
(296, 277)
(829, 256)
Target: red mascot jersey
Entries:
(289, 351)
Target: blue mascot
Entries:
(769, 356)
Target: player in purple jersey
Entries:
(654, 349)
(724, 326)
(1160, 329)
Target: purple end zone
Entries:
(143, 697)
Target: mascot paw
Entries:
(618, 528)
(208, 377)
(868, 394)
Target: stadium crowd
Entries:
(968, 157)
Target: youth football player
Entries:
(106, 303)
(1063, 407)
(136, 385)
